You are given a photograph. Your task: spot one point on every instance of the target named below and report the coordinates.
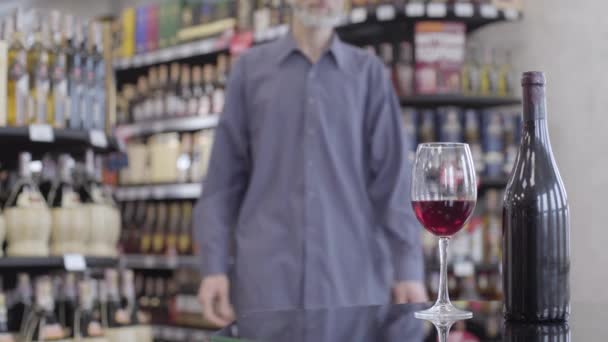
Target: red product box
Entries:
(152, 17)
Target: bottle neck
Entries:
(535, 104)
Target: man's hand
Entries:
(409, 292)
(213, 295)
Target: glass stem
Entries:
(443, 298)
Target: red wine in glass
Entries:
(443, 218)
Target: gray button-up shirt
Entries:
(309, 185)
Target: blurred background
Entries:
(150, 91)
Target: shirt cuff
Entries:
(213, 265)
(408, 266)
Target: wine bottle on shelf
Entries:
(18, 77)
(28, 218)
(450, 124)
(131, 226)
(472, 136)
(172, 90)
(197, 104)
(218, 98)
(405, 70)
(184, 161)
(493, 228)
(67, 303)
(160, 95)
(536, 221)
(88, 103)
(206, 101)
(184, 240)
(185, 92)
(130, 305)
(58, 114)
(86, 323)
(39, 64)
(98, 117)
(70, 223)
(150, 111)
(160, 228)
(43, 324)
(172, 229)
(21, 305)
(147, 228)
(115, 316)
(76, 86)
(493, 143)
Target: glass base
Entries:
(443, 312)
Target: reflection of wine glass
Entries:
(443, 327)
(444, 193)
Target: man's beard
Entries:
(310, 19)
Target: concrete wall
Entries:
(568, 40)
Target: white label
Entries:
(464, 269)
(74, 263)
(358, 15)
(488, 11)
(41, 133)
(98, 138)
(436, 10)
(511, 14)
(414, 10)
(385, 12)
(464, 10)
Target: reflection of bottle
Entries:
(28, 219)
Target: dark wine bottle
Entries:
(536, 221)
(87, 323)
(527, 332)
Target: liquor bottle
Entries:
(535, 211)
(28, 219)
(139, 103)
(18, 78)
(472, 137)
(184, 240)
(427, 126)
(184, 161)
(450, 124)
(87, 324)
(511, 143)
(160, 228)
(147, 229)
(198, 102)
(206, 101)
(115, 315)
(70, 223)
(172, 90)
(504, 72)
(493, 228)
(67, 303)
(129, 302)
(126, 215)
(537, 332)
(410, 127)
(38, 65)
(134, 226)
(45, 326)
(88, 104)
(150, 108)
(173, 221)
(387, 56)
(76, 82)
(21, 306)
(5, 334)
(221, 78)
(488, 76)
(471, 71)
(59, 79)
(185, 92)
(98, 90)
(493, 143)
(161, 94)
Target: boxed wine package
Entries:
(440, 51)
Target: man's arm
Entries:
(389, 188)
(217, 209)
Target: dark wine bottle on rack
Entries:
(159, 235)
(87, 323)
(66, 304)
(184, 239)
(536, 221)
(147, 228)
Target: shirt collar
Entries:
(287, 45)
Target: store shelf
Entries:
(159, 262)
(459, 100)
(24, 263)
(39, 139)
(187, 124)
(473, 16)
(159, 192)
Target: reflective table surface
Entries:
(396, 323)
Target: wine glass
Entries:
(444, 194)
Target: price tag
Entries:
(41, 133)
(415, 9)
(464, 269)
(385, 12)
(149, 261)
(436, 10)
(74, 263)
(464, 10)
(98, 138)
(358, 15)
(488, 11)
(511, 14)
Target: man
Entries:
(308, 185)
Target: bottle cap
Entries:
(533, 78)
